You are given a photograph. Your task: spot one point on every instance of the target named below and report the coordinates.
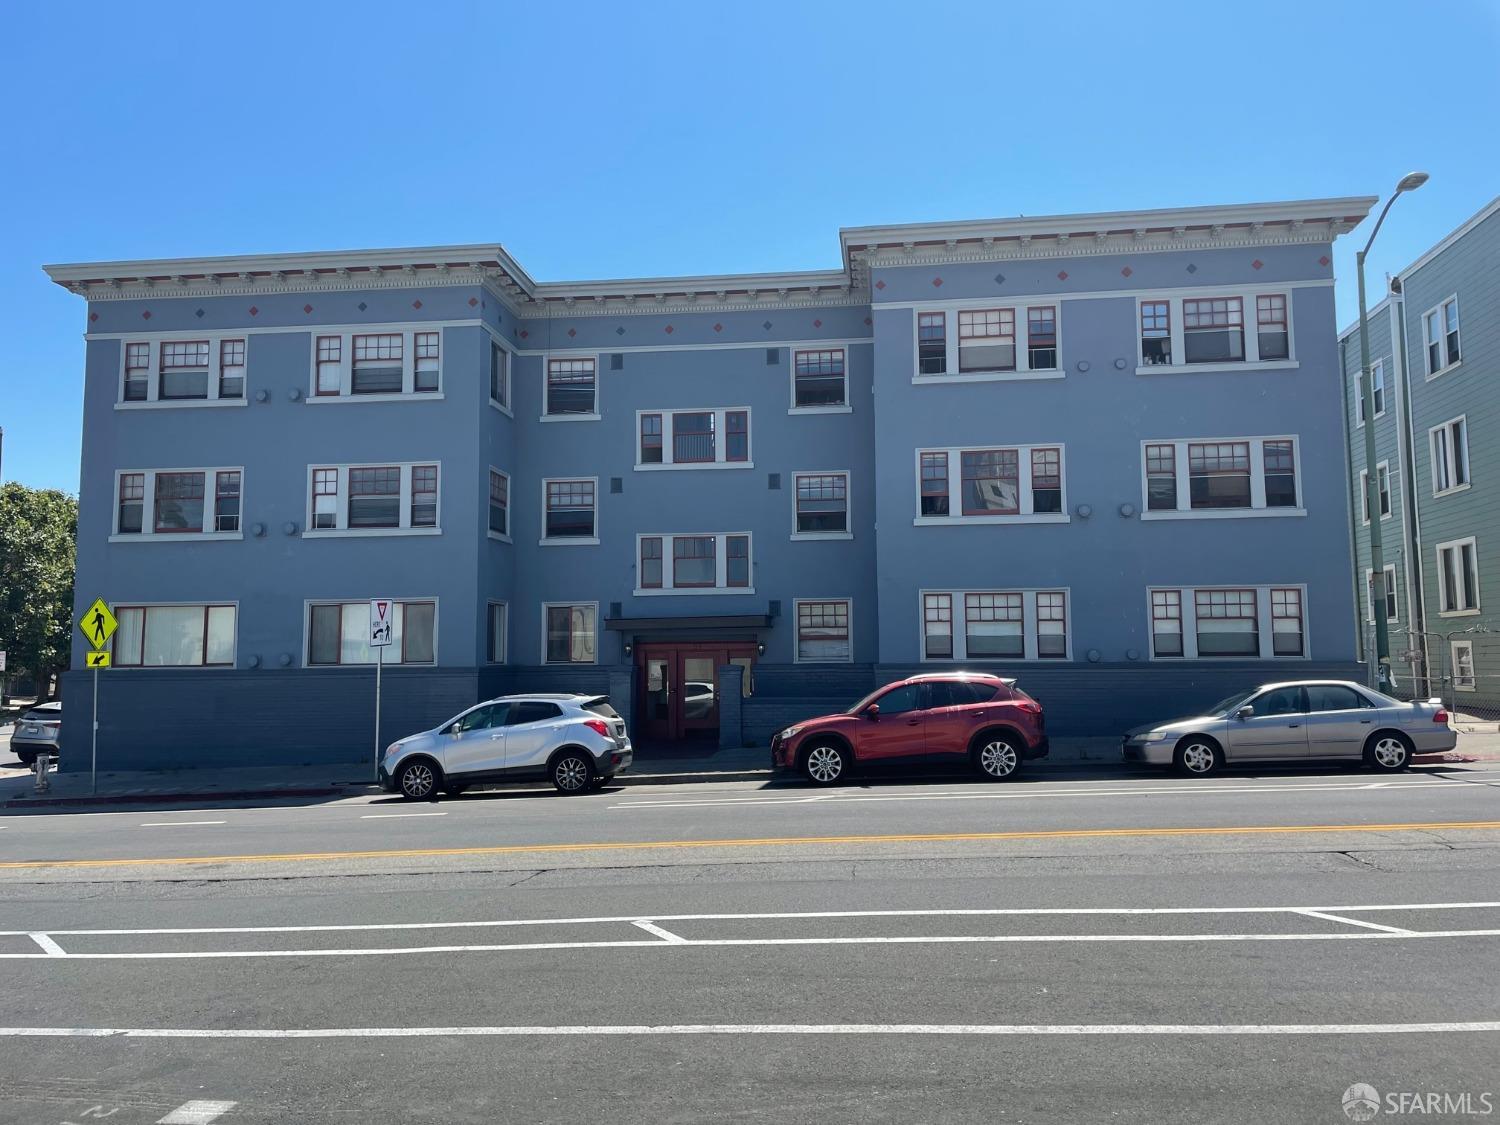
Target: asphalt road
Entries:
(1152, 949)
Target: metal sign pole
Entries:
(94, 750)
(379, 664)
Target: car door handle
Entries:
(1293, 726)
(980, 714)
(1365, 722)
(913, 722)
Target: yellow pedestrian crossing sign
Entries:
(97, 659)
(97, 626)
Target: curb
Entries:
(160, 798)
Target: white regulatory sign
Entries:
(380, 622)
(2, 660)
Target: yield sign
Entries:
(381, 629)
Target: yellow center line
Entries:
(762, 842)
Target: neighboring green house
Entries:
(1435, 363)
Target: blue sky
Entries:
(598, 140)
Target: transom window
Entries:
(499, 503)
(373, 499)
(693, 438)
(1458, 576)
(175, 502)
(569, 510)
(572, 387)
(173, 636)
(1210, 330)
(1450, 456)
(570, 633)
(699, 563)
(1020, 482)
(1440, 335)
(348, 365)
(338, 633)
(823, 632)
(822, 504)
(997, 625)
(1205, 478)
(818, 378)
(1250, 623)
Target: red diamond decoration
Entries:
(254, 311)
(937, 283)
(416, 304)
(880, 285)
(869, 321)
(93, 317)
(669, 330)
(718, 328)
(572, 331)
(817, 324)
(1323, 261)
(307, 308)
(473, 301)
(1126, 272)
(146, 315)
(524, 333)
(1255, 265)
(1062, 275)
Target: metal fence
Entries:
(1460, 667)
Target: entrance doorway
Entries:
(679, 693)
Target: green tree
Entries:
(38, 537)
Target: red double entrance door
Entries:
(678, 692)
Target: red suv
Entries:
(985, 722)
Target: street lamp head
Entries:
(1411, 181)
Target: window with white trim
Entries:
(1458, 577)
(994, 625)
(986, 340)
(932, 343)
(569, 512)
(173, 636)
(1465, 677)
(570, 634)
(1383, 482)
(137, 372)
(822, 505)
(495, 633)
(987, 343)
(499, 503)
(171, 372)
(693, 439)
(1392, 601)
(499, 376)
(373, 499)
(1210, 330)
(1014, 484)
(572, 387)
(1230, 623)
(184, 369)
(1205, 479)
(1440, 336)
(170, 503)
(818, 378)
(338, 633)
(396, 362)
(1450, 455)
(231, 369)
(698, 563)
(823, 631)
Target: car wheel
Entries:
(572, 773)
(417, 780)
(997, 757)
(825, 764)
(1387, 752)
(1198, 757)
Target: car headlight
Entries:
(790, 732)
(392, 748)
(1153, 736)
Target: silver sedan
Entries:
(1298, 721)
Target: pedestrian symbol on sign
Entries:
(381, 629)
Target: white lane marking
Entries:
(198, 1112)
(665, 935)
(1174, 791)
(689, 943)
(756, 1029)
(51, 947)
(179, 823)
(1353, 921)
(394, 815)
(779, 915)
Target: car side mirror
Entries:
(1244, 712)
(454, 731)
(872, 711)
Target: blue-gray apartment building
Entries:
(1102, 453)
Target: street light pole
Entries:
(1409, 182)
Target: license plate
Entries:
(32, 730)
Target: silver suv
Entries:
(576, 741)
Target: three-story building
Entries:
(1099, 452)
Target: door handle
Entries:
(913, 722)
(1293, 726)
(1365, 722)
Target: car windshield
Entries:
(1230, 703)
(867, 700)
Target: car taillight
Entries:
(1030, 706)
(598, 726)
(1441, 717)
